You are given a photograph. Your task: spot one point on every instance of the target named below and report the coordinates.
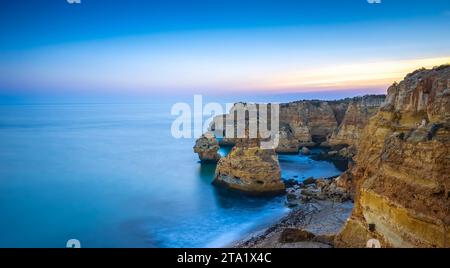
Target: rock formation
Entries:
(250, 169)
(207, 148)
(309, 123)
(287, 142)
(402, 170)
(356, 116)
(305, 151)
(336, 189)
(302, 124)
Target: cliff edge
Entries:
(402, 170)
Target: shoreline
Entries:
(311, 225)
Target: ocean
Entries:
(112, 175)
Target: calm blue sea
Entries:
(111, 175)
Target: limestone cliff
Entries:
(402, 170)
(358, 112)
(310, 122)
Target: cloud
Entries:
(350, 76)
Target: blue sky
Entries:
(209, 46)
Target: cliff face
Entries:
(248, 168)
(358, 112)
(313, 122)
(402, 171)
(309, 121)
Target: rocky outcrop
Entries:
(332, 189)
(250, 169)
(305, 151)
(241, 117)
(287, 142)
(402, 170)
(356, 116)
(207, 148)
(308, 123)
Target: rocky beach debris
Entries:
(320, 208)
(335, 189)
(312, 225)
(337, 153)
(305, 151)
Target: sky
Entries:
(170, 47)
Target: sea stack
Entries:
(402, 170)
(249, 168)
(207, 148)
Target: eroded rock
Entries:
(207, 148)
(335, 189)
(305, 151)
(356, 116)
(250, 169)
